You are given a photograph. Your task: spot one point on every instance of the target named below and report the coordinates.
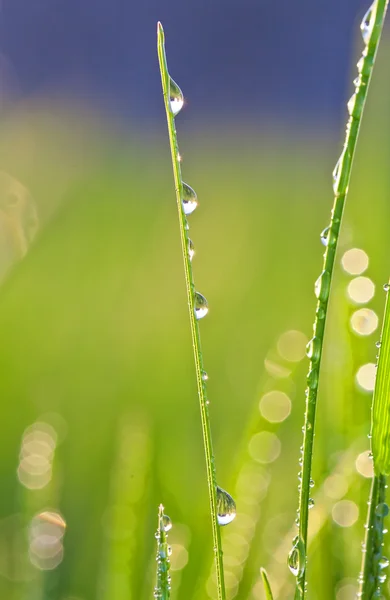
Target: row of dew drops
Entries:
(297, 556)
(226, 506)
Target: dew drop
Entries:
(311, 484)
(311, 503)
(366, 25)
(322, 286)
(382, 510)
(378, 344)
(355, 106)
(341, 172)
(191, 249)
(226, 507)
(313, 349)
(204, 376)
(201, 306)
(320, 312)
(357, 81)
(384, 562)
(325, 235)
(312, 378)
(166, 523)
(296, 558)
(189, 199)
(176, 99)
(386, 287)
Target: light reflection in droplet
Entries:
(275, 406)
(354, 261)
(292, 345)
(365, 377)
(364, 321)
(264, 447)
(364, 464)
(345, 513)
(361, 290)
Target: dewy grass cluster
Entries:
(222, 506)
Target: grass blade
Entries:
(372, 26)
(267, 587)
(173, 100)
(162, 590)
(381, 400)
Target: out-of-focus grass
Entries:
(93, 327)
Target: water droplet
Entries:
(357, 81)
(311, 484)
(366, 25)
(191, 249)
(166, 523)
(204, 376)
(311, 503)
(382, 510)
(322, 286)
(297, 558)
(176, 99)
(386, 287)
(200, 305)
(226, 507)
(341, 173)
(312, 378)
(355, 105)
(384, 562)
(189, 199)
(378, 344)
(320, 312)
(324, 236)
(313, 349)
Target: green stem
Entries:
(162, 590)
(201, 385)
(372, 569)
(342, 176)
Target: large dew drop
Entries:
(176, 99)
(166, 523)
(226, 507)
(189, 199)
(297, 557)
(201, 306)
(322, 286)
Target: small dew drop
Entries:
(166, 523)
(365, 25)
(378, 344)
(312, 378)
(201, 306)
(386, 287)
(322, 286)
(311, 503)
(313, 349)
(382, 510)
(191, 249)
(189, 199)
(204, 376)
(226, 507)
(297, 558)
(325, 236)
(384, 562)
(176, 99)
(311, 484)
(320, 312)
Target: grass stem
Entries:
(371, 27)
(189, 280)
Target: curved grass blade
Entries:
(162, 591)
(267, 587)
(371, 27)
(197, 304)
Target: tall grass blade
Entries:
(371, 28)
(162, 591)
(381, 400)
(197, 304)
(267, 587)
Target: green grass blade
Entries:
(191, 295)
(162, 590)
(374, 562)
(267, 587)
(381, 401)
(341, 177)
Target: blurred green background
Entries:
(100, 419)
